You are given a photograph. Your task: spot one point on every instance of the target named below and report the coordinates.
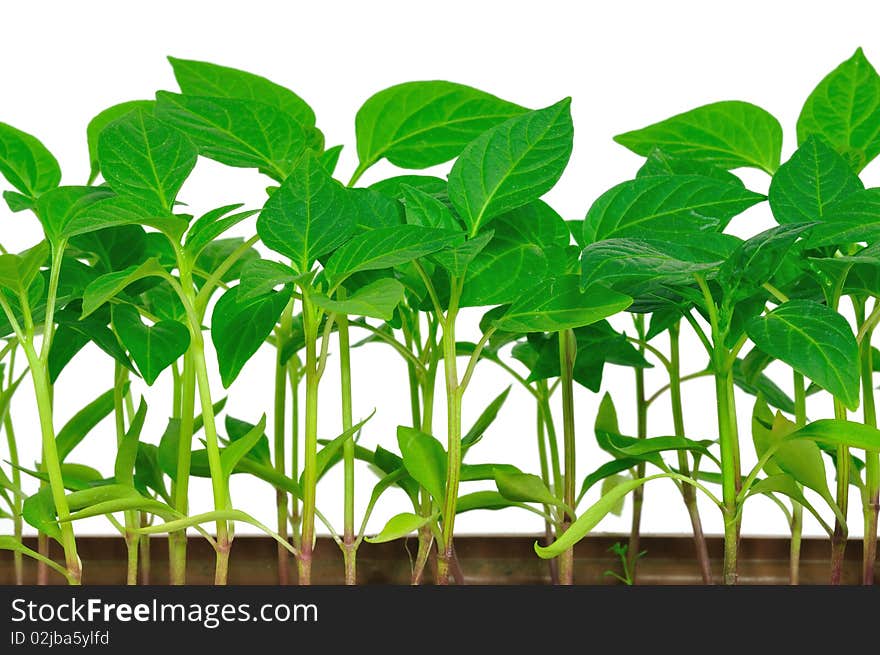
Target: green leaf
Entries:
(425, 460)
(853, 218)
(13, 544)
(524, 488)
(426, 210)
(473, 436)
(606, 417)
(605, 471)
(79, 426)
(511, 165)
(838, 432)
(126, 454)
(238, 329)
(457, 259)
(102, 120)
(145, 159)
(330, 158)
(528, 245)
(758, 383)
(199, 78)
(813, 179)
(488, 500)
(844, 108)
(728, 134)
(26, 163)
(106, 287)
(659, 162)
(238, 429)
(815, 341)
(237, 132)
(211, 225)
(153, 347)
(630, 265)
(670, 207)
(786, 485)
(756, 260)
(73, 334)
(118, 211)
(589, 519)
(38, 511)
(17, 202)
(308, 216)
(399, 526)
(63, 208)
(422, 124)
(377, 299)
(373, 210)
(235, 451)
(387, 247)
(558, 304)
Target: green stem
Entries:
(633, 550)
(279, 417)
(797, 510)
(180, 485)
(349, 550)
(871, 503)
(293, 376)
(17, 523)
(145, 552)
(688, 492)
(552, 441)
(567, 354)
(132, 538)
(310, 479)
(838, 539)
(453, 423)
(541, 432)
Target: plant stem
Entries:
(730, 473)
(545, 476)
(293, 376)
(797, 510)
(17, 523)
(453, 423)
(349, 549)
(567, 354)
(838, 539)
(633, 550)
(132, 538)
(552, 441)
(279, 417)
(310, 480)
(688, 492)
(145, 553)
(871, 503)
(180, 485)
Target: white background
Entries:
(625, 65)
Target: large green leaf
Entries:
(853, 218)
(669, 206)
(528, 246)
(200, 78)
(153, 348)
(728, 134)
(237, 132)
(511, 164)
(308, 216)
(26, 163)
(102, 120)
(837, 432)
(844, 108)
(813, 179)
(424, 459)
(659, 162)
(378, 299)
(558, 304)
(421, 124)
(387, 247)
(815, 341)
(145, 159)
(239, 328)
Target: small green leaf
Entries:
(424, 459)
(145, 159)
(211, 225)
(813, 179)
(126, 454)
(387, 247)
(106, 287)
(511, 165)
(473, 436)
(728, 134)
(838, 432)
(558, 304)
(235, 451)
(815, 341)
(487, 500)
(308, 216)
(659, 162)
(607, 470)
(260, 276)
(76, 429)
(38, 511)
(853, 218)
(606, 417)
(844, 108)
(238, 329)
(237, 132)
(153, 348)
(524, 488)
(672, 207)
(422, 124)
(26, 163)
(63, 208)
(200, 78)
(102, 120)
(377, 299)
(426, 210)
(457, 259)
(399, 526)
